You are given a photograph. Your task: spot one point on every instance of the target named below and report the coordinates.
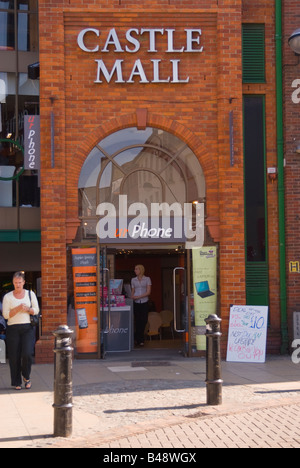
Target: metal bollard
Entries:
(63, 396)
(213, 361)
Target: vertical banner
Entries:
(85, 298)
(205, 290)
(32, 142)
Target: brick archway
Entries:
(142, 119)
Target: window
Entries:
(25, 92)
(255, 175)
(17, 187)
(19, 25)
(8, 90)
(257, 282)
(19, 96)
(149, 166)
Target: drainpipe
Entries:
(280, 162)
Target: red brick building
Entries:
(291, 94)
(200, 75)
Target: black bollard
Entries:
(213, 361)
(63, 396)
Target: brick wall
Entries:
(291, 69)
(197, 112)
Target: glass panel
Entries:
(87, 201)
(91, 169)
(176, 185)
(88, 182)
(23, 5)
(10, 155)
(28, 104)
(31, 5)
(8, 158)
(23, 31)
(119, 140)
(133, 158)
(7, 31)
(7, 5)
(11, 161)
(7, 105)
(110, 184)
(27, 32)
(143, 187)
(7, 187)
(150, 166)
(29, 192)
(28, 87)
(169, 142)
(28, 101)
(193, 173)
(255, 177)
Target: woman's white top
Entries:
(10, 302)
(140, 288)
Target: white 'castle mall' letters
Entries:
(133, 45)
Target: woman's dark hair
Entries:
(19, 274)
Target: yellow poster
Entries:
(205, 289)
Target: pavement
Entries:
(156, 399)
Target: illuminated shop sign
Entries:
(91, 41)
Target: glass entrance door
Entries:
(181, 301)
(168, 305)
(115, 308)
(103, 300)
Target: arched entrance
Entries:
(135, 170)
(149, 166)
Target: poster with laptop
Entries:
(205, 290)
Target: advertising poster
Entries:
(85, 298)
(205, 290)
(247, 335)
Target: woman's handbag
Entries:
(34, 319)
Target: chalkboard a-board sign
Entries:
(247, 334)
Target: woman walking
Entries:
(17, 308)
(141, 290)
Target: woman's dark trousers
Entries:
(19, 339)
(141, 319)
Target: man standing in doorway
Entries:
(141, 290)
